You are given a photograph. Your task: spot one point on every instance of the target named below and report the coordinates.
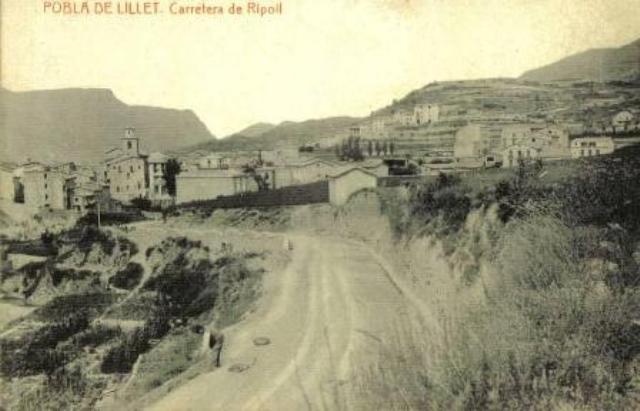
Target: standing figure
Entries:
(212, 342)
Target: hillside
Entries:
(609, 64)
(286, 134)
(79, 124)
(254, 130)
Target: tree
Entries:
(171, 170)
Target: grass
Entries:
(551, 325)
(172, 356)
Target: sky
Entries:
(319, 58)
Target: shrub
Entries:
(445, 199)
(129, 277)
(89, 305)
(96, 335)
(36, 353)
(122, 357)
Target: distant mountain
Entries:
(593, 65)
(254, 130)
(286, 134)
(80, 124)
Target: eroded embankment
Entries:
(116, 311)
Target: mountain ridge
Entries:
(597, 64)
(79, 124)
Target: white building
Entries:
(157, 163)
(476, 141)
(622, 120)
(426, 113)
(348, 182)
(7, 186)
(591, 146)
(131, 174)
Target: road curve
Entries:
(326, 313)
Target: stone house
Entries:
(47, 187)
(127, 173)
(156, 163)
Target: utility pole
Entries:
(98, 214)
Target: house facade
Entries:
(591, 146)
(47, 187)
(426, 114)
(622, 120)
(476, 141)
(127, 173)
(157, 164)
(7, 186)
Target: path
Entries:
(330, 309)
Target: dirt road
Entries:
(331, 308)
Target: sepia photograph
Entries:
(319, 205)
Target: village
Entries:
(392, 145)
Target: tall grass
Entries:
(554, 319)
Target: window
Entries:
(597, 151)
(46, 196)
(128, 175)
(45, 186)
(129, 145)
(581, 153)
(118, 189)
(131, 169)
(45, 176)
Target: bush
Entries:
(37, 353)
(122, 357)
(129, 277)
(445, 199)
(90, 305)
(95, 336)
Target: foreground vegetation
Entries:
(100, 313)
(546, 299)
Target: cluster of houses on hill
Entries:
(127, 174)
(443, 144)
